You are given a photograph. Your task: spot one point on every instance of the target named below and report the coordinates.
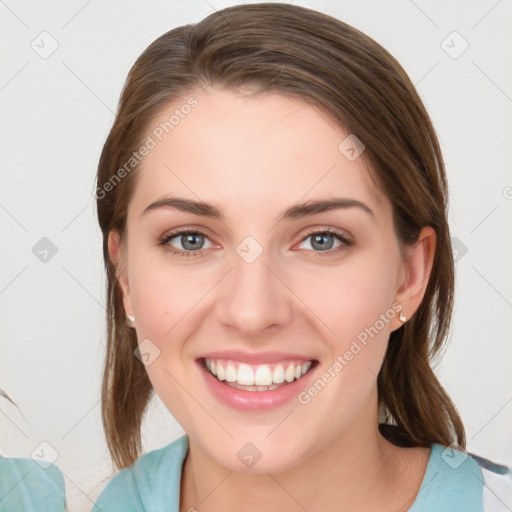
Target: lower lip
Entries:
(254, 400)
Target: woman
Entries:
(273, 200)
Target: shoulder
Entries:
(456, 480)
(30, 486)
(153, 480)
(497, 485)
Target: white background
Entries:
(55, 116)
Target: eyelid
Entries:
(327, 229)
(173, 233)
(346, 242)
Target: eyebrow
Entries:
(297, 211)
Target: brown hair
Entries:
(308, 55)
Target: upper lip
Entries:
(255, 357)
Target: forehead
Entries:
(249, 153)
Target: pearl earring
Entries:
(130, 320)
(402, 318)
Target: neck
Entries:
(358, 471)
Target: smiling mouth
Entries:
(264, 377)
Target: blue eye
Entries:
(192, 242)
(319, 238)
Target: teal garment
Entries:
(453, 482)
(25, 486)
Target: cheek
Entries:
(355, 302)
(162, 295)
(358, 309)
(165, 300)
(350, 297)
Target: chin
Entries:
(258, 453)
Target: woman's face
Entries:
(258, 284)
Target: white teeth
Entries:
(289, 374)
(278, 374)
(254, 388)
(245, 375)
(263, 376)
(230, 373)
(262, 379)
(221, 373)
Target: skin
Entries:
(238, 151)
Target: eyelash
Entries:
(164, 241)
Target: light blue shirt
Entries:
(454, 481)
(25, 486)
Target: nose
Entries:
(254, 297)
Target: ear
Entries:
(117, 256)
(415, 274)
